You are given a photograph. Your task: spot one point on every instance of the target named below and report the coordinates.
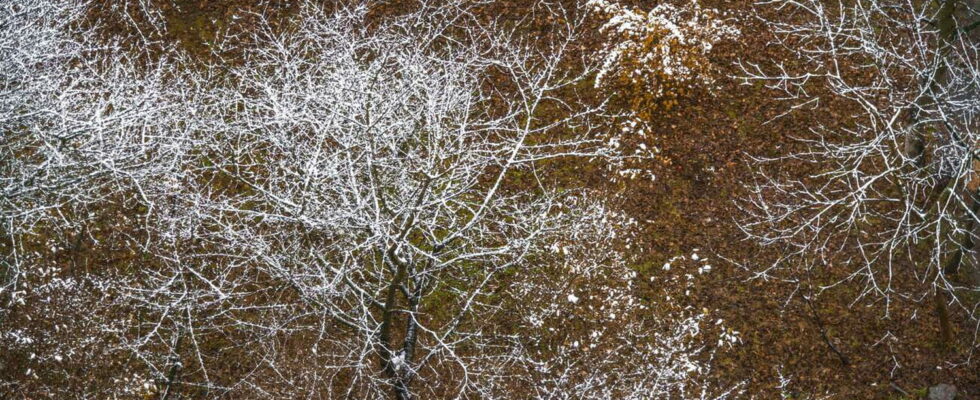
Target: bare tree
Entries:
(381, 168)
(91, 129)
(360, 206)
(890, 186)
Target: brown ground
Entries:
(690, 207)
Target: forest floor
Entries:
(833, 346)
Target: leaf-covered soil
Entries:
(836, 345)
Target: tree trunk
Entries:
(915, 142)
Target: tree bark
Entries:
(915, 143)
